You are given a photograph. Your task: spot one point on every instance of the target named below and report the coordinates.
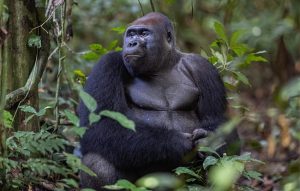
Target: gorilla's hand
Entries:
(197, 136)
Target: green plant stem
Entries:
(60, 42)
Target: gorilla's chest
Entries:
(172, 91)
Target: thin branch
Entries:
(41, 25)
(60, 63)
(152, 6)
(192, 4)
(141, 7)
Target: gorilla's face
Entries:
(145, 49)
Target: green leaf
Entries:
(72, 117)
(230, 85)
(112, 45)
(120, 118)
(118, 48)
(78, 131)
(121, 184)
(239, 49)
(28, 109)
(93, 118)
(98, 48)
(184, 170)
(71, 182)
(254, 58)
(208, 150)
(219, 29)
(79, 73)
(242, 78)
(35, 41)
(119, 30)
(91, 56)
(43, 111)
(88, 100)
(76, 163)
(235, 37)
(253, 175)
(246, 157)
(209, 161)
(7, 119)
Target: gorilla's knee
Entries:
(106, 172)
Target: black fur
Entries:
(114, 152)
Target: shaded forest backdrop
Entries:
(254, 44)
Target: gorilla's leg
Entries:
(106, 173)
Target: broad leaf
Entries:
(184, 170)
(88, 100)
(219, 29)
(93, 118)
(253, 175)
(235, 37)
(119, 30)
(28, 109)
(242, 78)
(209, 161)
(72, 117)
(35, 41)
(91, 56)
(120, 118)
(208, 150)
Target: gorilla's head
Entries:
(148, 44)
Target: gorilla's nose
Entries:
(132, 44)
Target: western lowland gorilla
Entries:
(174, 98)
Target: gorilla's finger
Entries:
(201, 155)
(187, 135)
(199, 134)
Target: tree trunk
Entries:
(20, 58)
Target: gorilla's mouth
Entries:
(131, 57)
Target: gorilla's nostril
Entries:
(132, 44)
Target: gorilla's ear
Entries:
(169, 37)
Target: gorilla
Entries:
(174, 98)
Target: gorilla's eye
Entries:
(131, 33)
(145, 33)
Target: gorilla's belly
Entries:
(184, 121)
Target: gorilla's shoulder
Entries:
(108, 62)
(196, 63)
(112, 58)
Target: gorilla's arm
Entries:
(122, 147)
(212, 102)
(104, 85)
(127, 149)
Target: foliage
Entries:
(27, 160)
(34, 158)
(97, 50)
(229, 56)
(35, 41)
(30, 109)
(124, 184)
(224, 171)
